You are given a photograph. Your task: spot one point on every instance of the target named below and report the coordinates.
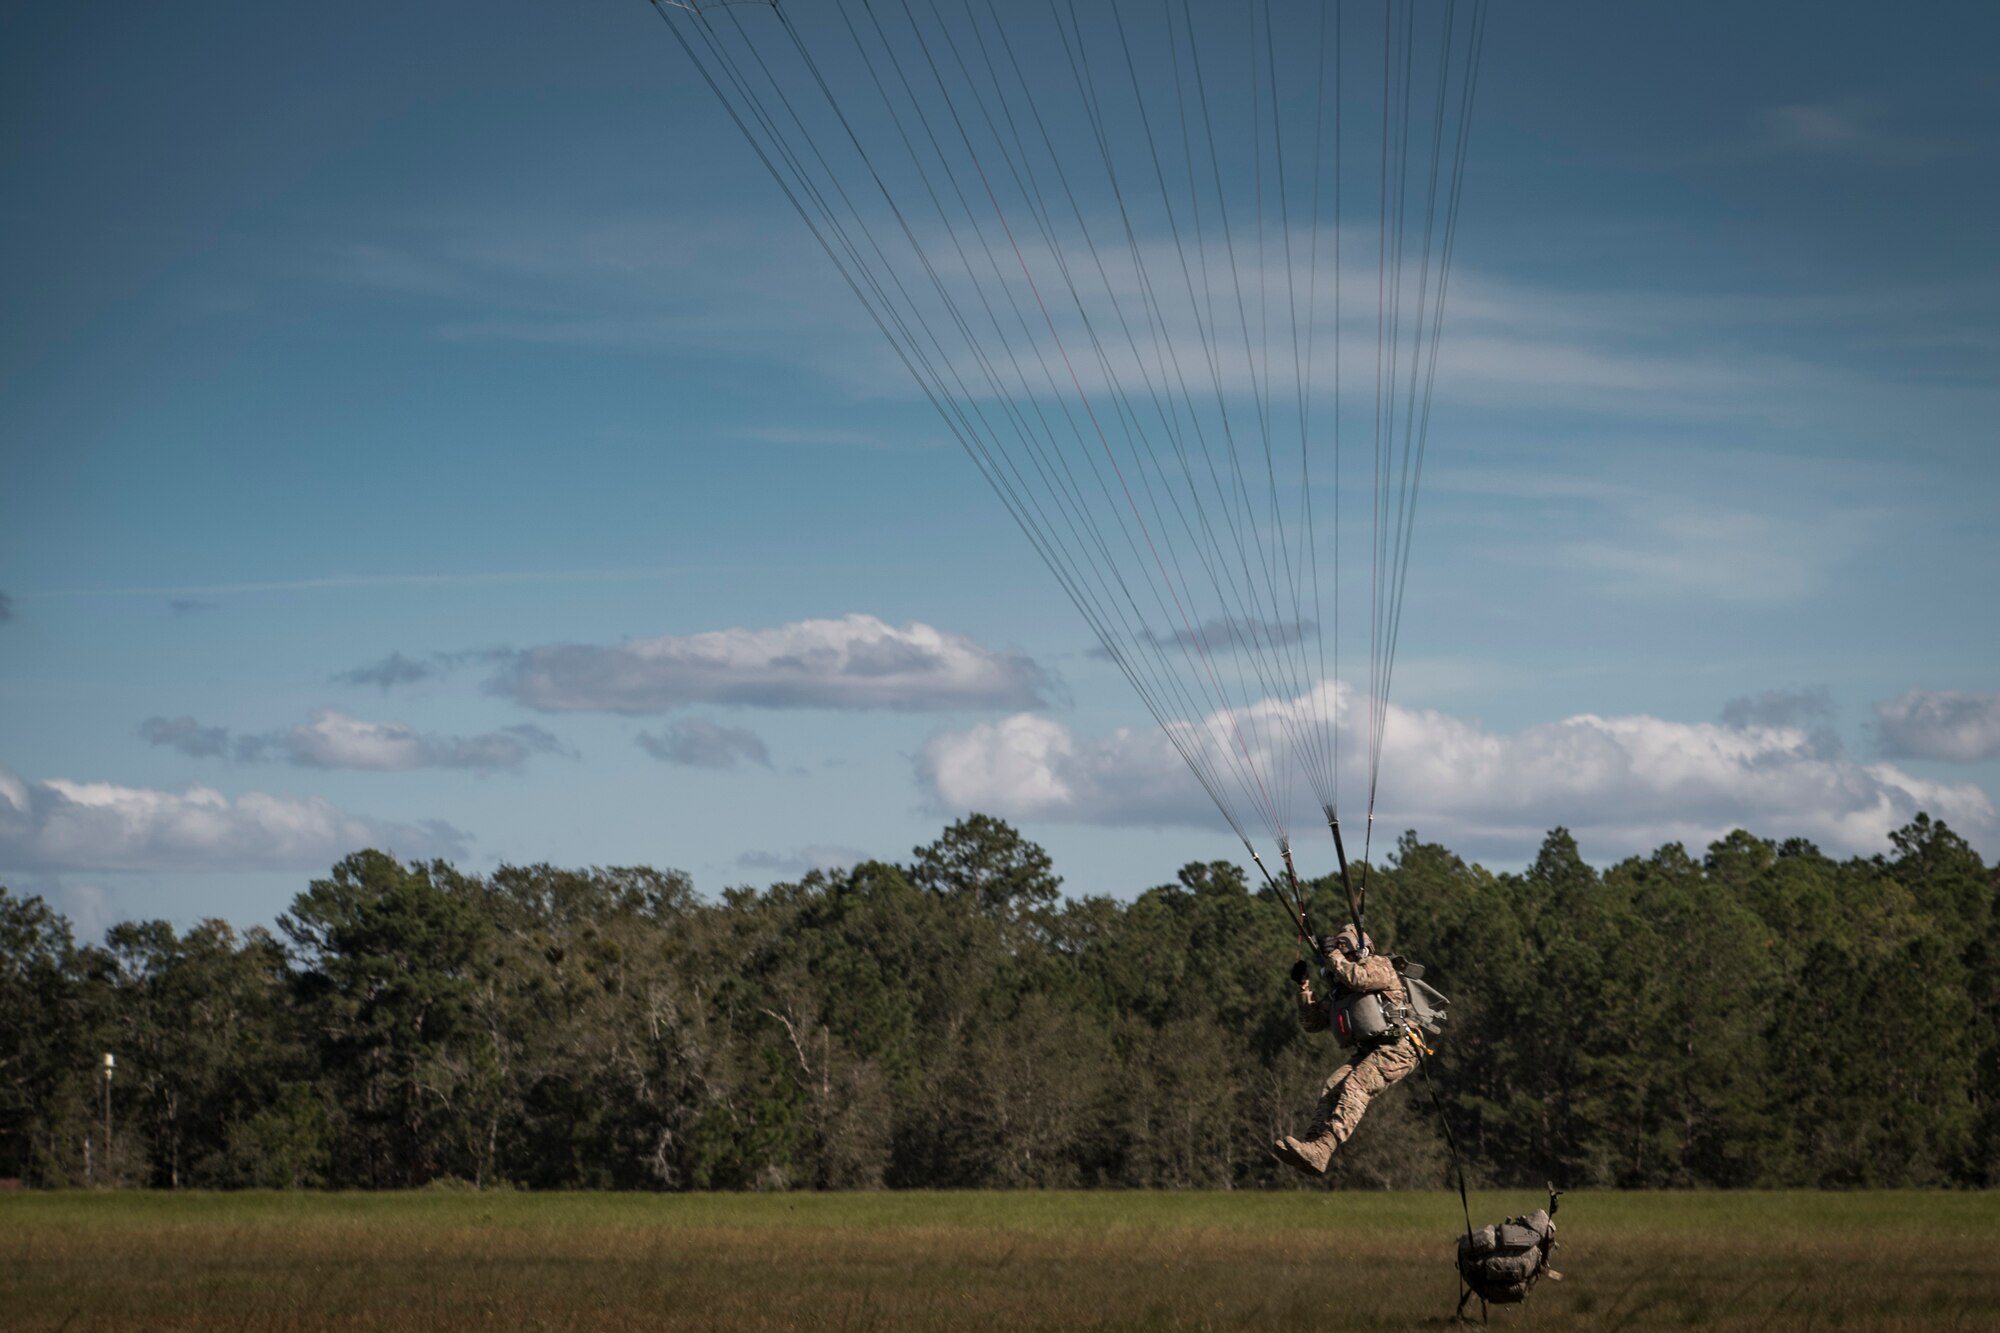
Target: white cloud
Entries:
(856, 661)
(1622, 784)
(332, 739)
(1940, 724)
(59, 825)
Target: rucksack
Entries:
(1503, 1263)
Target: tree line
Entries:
(1764, 1015)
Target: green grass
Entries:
(1268, 1261)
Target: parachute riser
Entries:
(1295, 914)
(1298, 889)
(1355, 901)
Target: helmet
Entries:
(1353, 943)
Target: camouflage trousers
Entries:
(1344, 1097)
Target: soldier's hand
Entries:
(1299, 972)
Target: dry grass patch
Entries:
(1019, 1260)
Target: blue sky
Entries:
(469, 339)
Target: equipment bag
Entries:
(1502, 1263)
(1363, 1017)
(1360, 1018)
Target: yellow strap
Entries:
(1417, 1040)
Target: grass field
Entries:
(1268, 1261)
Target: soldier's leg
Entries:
(1378, 1069)
(1329, 1098)
(1311, 1151)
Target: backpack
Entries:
(1502, 1263)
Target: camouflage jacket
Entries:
(1373, 973)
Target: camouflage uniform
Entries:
(1345, 1096)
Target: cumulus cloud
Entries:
(1940, 724)
(856, 661)
(185, 735)
(332, 739)
(1623, 784)
(702, 744)
(56, 825)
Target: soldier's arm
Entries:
(1373, 973)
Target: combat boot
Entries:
(1309, 1154)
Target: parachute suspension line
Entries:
(1330, 715)
(1079, 63)
(1398, 50)
(1196, 635)
(1405, 426)
(1254, 622)
(1268, 560)
(1307, 739)
(954, 419)
(1272, 811)
(1184, 641)
(1469, 86)
(987, 202)
(970, 439)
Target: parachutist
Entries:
(1368, 1007)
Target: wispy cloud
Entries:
(855, 662)
(190, 606)
(817, 856)
(1225, 634)
(1735, 555)
(812, 437)
(1952, 725)
(751, 290)
(56, 825)
(332, 739)
(395, 669)
(339, 582)
(185, 735)
(6, 608)
(1662, 521)
(1851, 129)
(698, 743)
(398, 669)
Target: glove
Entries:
(1299, 973)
